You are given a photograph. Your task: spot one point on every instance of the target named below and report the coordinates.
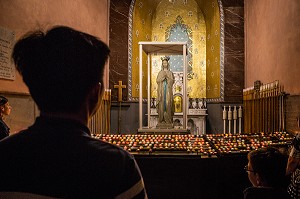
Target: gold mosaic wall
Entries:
(150, 22)
(141, 31)
(212, 15)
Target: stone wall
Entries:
(272, 44)
(234, 50)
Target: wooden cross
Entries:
(120, 87)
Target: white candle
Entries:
(240, 112)
(224, 119)
(229, 113)
(224, 113)
(234, 119)
(229, 119)
(240, 119)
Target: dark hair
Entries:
(3, 100)
(60, 66)
(270, 165)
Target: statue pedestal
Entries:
(196, 121)
(164, 126)
(163, 131)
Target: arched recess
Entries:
(153, 20)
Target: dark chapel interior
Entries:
(242, 89)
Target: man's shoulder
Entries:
(265, 192)
(99, 151)
(103, 146)
(11, 140)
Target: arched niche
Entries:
(202, 21)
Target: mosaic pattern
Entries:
(179, 32)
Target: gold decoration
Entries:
(178, 103)
(178, 89)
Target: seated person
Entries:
(266, 172)
(5, 109)
(293, 168)
(56, 156)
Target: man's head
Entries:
(266, 167)
(60, 67)
(3, 100)
(5, 108)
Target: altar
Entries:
(196, 120)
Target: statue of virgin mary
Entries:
(165, 105)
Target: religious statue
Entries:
(164, 104)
